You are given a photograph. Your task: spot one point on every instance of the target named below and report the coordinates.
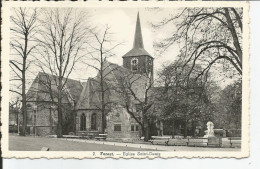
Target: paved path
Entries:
(154, 147)
(20, 143)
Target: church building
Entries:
(138, 64)
(83, 100)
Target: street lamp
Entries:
(35, 111)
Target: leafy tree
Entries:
(182, 100)
(211, 37)
(229, 105)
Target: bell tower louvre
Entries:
(138, 60)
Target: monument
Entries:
(210, 131)
(209, 134)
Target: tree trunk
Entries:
(17, 121)
(173, 128)
(146, 129)
(74, 120)
(234, 35)
(24, 107)
(59, 127)
(103, 118)
(185, 128)
(103, 122)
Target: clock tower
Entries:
(138, 60)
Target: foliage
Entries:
(182, 100)
(229, 106)
(210, 37)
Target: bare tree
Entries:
(137, 97)
(99, 50)
(63, 35)
(23, 31)
(208, 36)
(15, 106)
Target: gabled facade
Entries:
(42, 104)
(138, 66)
(82, 101)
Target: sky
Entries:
(122, 22)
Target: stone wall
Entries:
(88, 114)
(46, 119)
(142, 63)
(119, 117)
(45, 130)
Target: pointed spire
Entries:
(138, 39)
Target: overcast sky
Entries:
(122, 22)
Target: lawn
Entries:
(29, 143)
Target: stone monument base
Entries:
(212, 141)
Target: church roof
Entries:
(41, 84)
(89, 97)
(113, 75)
(138, 46)
(137, 52)
(116, 73)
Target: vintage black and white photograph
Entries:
(119, 81)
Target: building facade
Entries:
(82, 101)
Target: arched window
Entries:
(83, 122)
(134, 64)
(150, 65)
(94, 121)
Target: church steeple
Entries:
(138, 39)
(138, 60)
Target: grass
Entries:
(29, 143)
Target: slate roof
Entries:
(137, 52)
(120, 72)
(113, 73)
(89, 97)
(73, 88)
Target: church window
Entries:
(117, 127)
(150, 62)
(136, 128)
(83, 122)
(138, 107)
(134, 64)
(94, 121)
(150, 65)
(132, 128)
